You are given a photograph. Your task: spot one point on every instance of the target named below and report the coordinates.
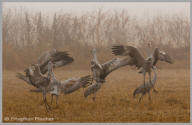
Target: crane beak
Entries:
(169, 59)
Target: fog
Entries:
(141, 10)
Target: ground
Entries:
(114, 101)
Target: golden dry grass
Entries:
(114, 101)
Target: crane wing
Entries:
(59, 59)
(116, 63)
(92, 89)
(155, 56)
(108, 67)
(45, 56)
(74, 84)
(129, 51)
(24, 78)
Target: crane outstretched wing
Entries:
(71, 85)
(26, 79)
(155, 56)
(58, 58)
(46, 56)
(92, 89)
(23, 77)
(116, 63)
(129, 51)
(107, 67)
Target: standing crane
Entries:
(146, 89)
(40, 81)
(64, 87)
(35, 74)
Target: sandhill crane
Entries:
(57, 57)
(37, 79)
(65, 87)
(101, 71)
(34, 74)
(139, 61)
(148, 86)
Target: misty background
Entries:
(32, 28)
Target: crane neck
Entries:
(155, 76)
(50, 74)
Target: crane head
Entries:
(165, 57)
(93, 51)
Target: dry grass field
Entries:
(114, 101)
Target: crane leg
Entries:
(57, 99)
(141, 98)
(144, 78)
(49, 107)
(150, 78)
(45, 101)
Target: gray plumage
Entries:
(59, 58)
(101, 71)
(65, 87)
(92, 89)
(34, 74)
(138, 60)
(40, 81)
(147, 88)
(46, 56)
